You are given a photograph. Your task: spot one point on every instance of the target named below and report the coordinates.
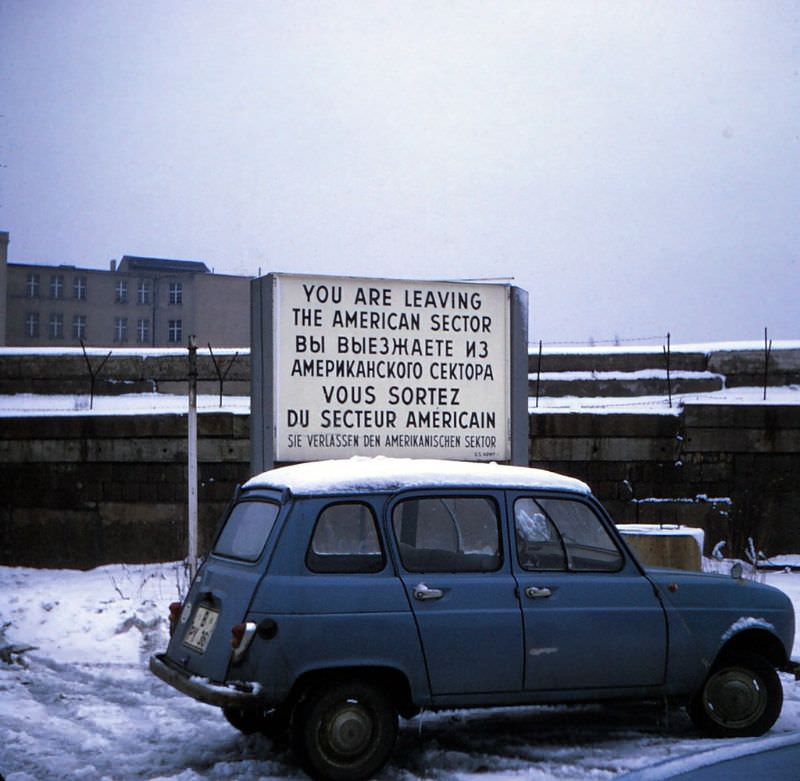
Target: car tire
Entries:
(344, 731)
(741, 697)
(245, 720)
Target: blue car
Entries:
(340, 595)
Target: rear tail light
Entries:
(237, 633)
(241, 636)
(174, 614)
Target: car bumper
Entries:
(238, 693)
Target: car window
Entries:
(246, 530)
(539, 545)
(448, 534)
(345, 539)
(588, 545)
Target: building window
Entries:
(143, 331)
(32, 325)
(176, 331)
(120, 329)
(79, 327)
(176, 292)
(56, 326)
(143, 291)
(57, 286)
(79, 288)
(32, 286)
(122, 292)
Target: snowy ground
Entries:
(82, 705)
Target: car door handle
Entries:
(423, 593)
(538, 592)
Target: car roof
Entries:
(364, 475)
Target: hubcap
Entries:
(735, 698)
(350, 729)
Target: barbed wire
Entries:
(592, 342)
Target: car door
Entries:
(224, 586)
(458, 580)
(591, 619)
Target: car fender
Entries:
(709, 614)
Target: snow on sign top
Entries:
(383, 474)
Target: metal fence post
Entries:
(192, 465)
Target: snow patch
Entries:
(382, 473)
(664, 530)
(33, 405)
(746, 623)
(87, 707)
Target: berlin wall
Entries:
(81, 491)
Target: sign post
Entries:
(192, 459)
(348, 366)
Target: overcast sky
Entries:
(634, 165)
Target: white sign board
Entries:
(390, 367)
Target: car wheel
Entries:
(741, 697)
(275, 723)
(272, 723)
(344, 731)
(246, 720)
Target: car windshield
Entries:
(246, 530)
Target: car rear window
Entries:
(246, 530)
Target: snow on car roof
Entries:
(381, 474)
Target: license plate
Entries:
(201, 629)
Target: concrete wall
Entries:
(66, 372)
(730, 470)
(693, 371)
(84, 491)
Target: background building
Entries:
(149, 302)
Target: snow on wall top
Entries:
(381, 474)
(664, 530)
(121, 352)
(548, 349)
(700, 347)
